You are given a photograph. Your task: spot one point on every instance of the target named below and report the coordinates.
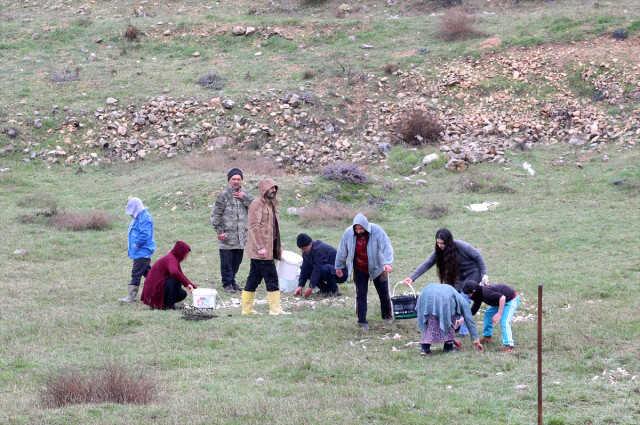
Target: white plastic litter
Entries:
(528, 168)
(485, 206)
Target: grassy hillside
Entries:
(573, 226)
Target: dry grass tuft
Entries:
(85, 220)
(419, 127)
(221, 163)
(308, 74)
(456, 24)
(112, 384)
(332, 212)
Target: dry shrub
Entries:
(433, 211)
(221, 163)
(345, 172)
(390, 68)
(66, 75)
(485, 183)
(132, 33)
(85, 220)
(332, 212)
(308, 74)
(112, 384)
(456, 24)
(419, 127)
(211, 80)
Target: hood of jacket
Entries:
(180, 250)
(362, 221)
(134, 207)
(265, 185)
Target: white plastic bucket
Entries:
(289, 271)
(204, 297)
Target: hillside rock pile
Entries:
(517, 98)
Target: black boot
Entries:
(425, 349)
(448, 347)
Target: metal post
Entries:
(539, 354)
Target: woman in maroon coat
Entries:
(162, 285)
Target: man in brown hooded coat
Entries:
(263, 247)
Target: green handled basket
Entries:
(404, 306)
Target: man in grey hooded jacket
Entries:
(366, 251)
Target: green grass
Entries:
(234, 369)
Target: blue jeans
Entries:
(464, 331)
(505, 322)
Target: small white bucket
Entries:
(289, 271)
(204, 297)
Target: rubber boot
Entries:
(247, 303)
(132, 296)
(275, 308)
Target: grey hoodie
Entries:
(379, 249)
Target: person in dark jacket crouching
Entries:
(318, 259)
(163, 285)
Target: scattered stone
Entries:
(112, 101)
(423, 50)
(196, 54)
(238, 30)
(250, 30)
(11, 132)
(428, 159)
(228, 104)
(620, 34)
(366, 46)
(20, 252)
(166, 33)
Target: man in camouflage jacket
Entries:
(229, 219)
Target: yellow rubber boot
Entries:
(275, 308)
(247, 303)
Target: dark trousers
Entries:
(262, 269)
(324, 277)
(141, 267)
(230, 260)
(382, 287)
(173, 293)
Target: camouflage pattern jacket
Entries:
(229, 216)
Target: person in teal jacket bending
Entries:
(141, 245)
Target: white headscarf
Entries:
(134, 207)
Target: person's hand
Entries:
(308, 292)
(298, 291)
(478, 345)
(496, 318)
(339, 272)
(485, 280)
(190, 288)
(407, 281)
(458, 323)
(239, 195)
(388, 268)
(262, 252)
(222, 236)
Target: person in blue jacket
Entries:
(366, 251)
(318, 259)
(141, 245)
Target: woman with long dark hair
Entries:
(457, 262)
